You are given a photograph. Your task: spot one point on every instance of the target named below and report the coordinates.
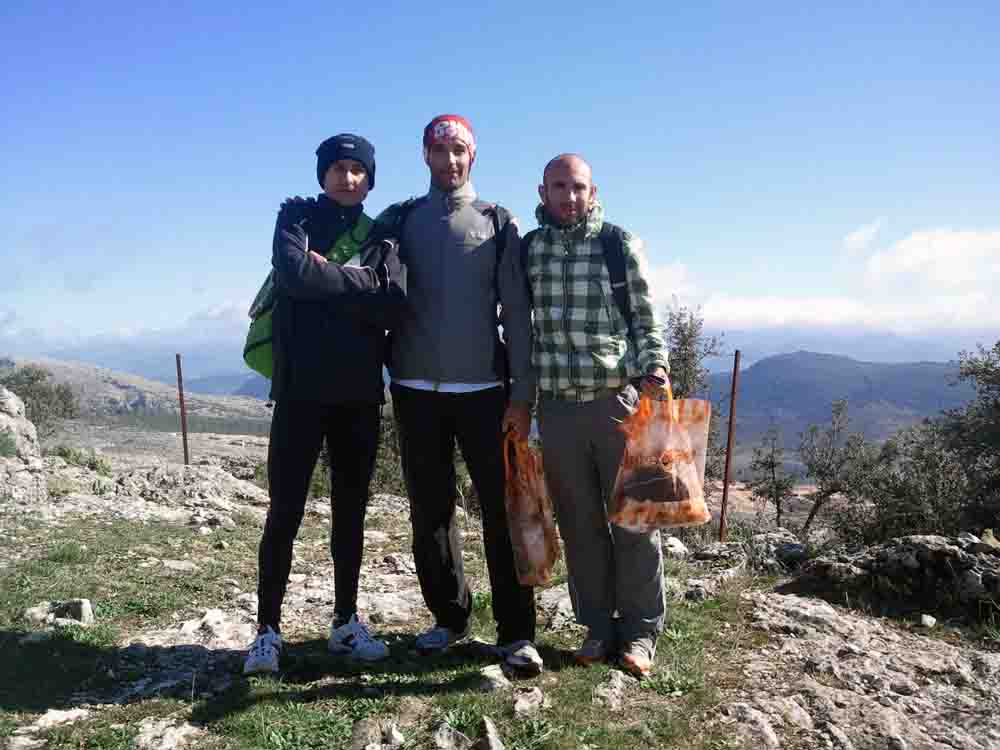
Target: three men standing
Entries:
(588, 352)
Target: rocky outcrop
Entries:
(14, 422)
(911, 574)
(833, 679)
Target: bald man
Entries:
(590, 366)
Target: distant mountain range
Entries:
(797, 390)
(107, 393)
(791, 390)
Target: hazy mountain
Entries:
(105, 392)
(796, 390)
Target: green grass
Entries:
(318, 698)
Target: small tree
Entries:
(973, 434)
(689, 348)
(837, 462)
(769, 482)
(45, 403)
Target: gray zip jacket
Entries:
(448, 328)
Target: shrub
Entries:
(86, 459)
(8, 445)
(45, 403)
(770, 482)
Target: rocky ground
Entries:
(151, 656)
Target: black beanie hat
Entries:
(345, 146)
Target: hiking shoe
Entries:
(439, 638)
(523, 656)
(352, 638)
(264, 653)
(638, 655)
(593, 651)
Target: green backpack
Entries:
(258, 352)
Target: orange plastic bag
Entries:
(661, 480)
(529, 513)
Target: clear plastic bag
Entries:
(661, 480)
(529, 513)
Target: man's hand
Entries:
(655, 384)
(317, 257)
(517, 417)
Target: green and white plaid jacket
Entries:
(581, 345)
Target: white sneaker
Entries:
(439, 638)
(523, 656)
(264, 653)
(353, 639)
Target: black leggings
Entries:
(297, 432)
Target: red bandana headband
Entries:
(447, 128)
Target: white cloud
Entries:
(861, 238)
(932, 282)
(940, 258)
(669, 282)
(941, 313)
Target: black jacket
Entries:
(329, 320)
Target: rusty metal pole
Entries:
(184, 422)
(729, 448)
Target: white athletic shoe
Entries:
(353, 639)
(264, 653)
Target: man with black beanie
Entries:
(335, 298)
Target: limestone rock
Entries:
(14, 422)
(753, 725)
(164, 734)
(922, 571)
(675, 548)
(529, 701)
(831, 678)
(448, 738)
(555, 604)
(493, 679)
(612, 692)
(80, 610)
(366, 733)
(489, 736)
(38, 614)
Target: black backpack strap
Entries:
(389, 223)
(613, 244)
(501, 218)
(525, 251)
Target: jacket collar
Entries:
(336, 215)
(450, 201)
(588, 227)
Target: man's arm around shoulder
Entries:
(306, 275)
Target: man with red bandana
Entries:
(448, 377)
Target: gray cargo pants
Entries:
(610, 569)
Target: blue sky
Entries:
(789, 168)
